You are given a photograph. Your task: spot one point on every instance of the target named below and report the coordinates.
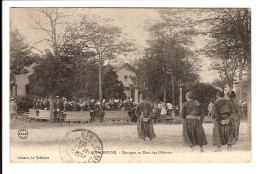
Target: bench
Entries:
(77, 116)
(43, 115)
(80, 116)
(117, 116)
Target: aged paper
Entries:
(130, 85)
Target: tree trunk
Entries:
(51, 107)
(173, 87)
(240, 93)
(164, 94)
(100, 81)
(249, 101)
(180, 99)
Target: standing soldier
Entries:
(193, 132)
(236, 115)
(101, 110)
(130, 107)
(92, 109)
(144, 122)
(223, 131)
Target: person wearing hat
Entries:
(223, 130)
(92, 109)
(144, 121)
(193, 132)
(235, 116)
(13, 110)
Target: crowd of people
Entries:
(160, 111)
(225, 111)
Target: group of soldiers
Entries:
(226, 113)
(96, 108)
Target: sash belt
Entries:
(192, 116)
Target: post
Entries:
(180, 97)
(100, 81)
(173, 86)
(180, 85)
(136, 96)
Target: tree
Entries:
(112, 87)
(103, 39)
(48, 21)
(21, 56)
(174, 40)
(155, 70)
(231, 32)
(219, 83)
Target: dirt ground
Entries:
(168, 146)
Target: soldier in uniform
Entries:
(193, 132)
(101, 110)
(92, 109)
(223, 131)
(236, 115)
(144, 122)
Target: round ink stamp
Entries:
(23, 133)
(81, 146)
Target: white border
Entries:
(126, 168)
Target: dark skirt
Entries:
(193, 132)
(235, 117)
(223, 134)
(145, 129)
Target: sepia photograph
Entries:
(130, 85)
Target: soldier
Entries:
(193, 132)
(92, 109)
(223, 131)
(144, 122)
(236, 115)
(101, 110)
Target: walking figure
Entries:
(223, 130)
(144, 122)
(193, 132)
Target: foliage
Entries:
(72, 78)
(24, 103)
(112, 87)
(168, 57)
(21, 55)
(230, 41)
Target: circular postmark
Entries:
(81, 146)
(23, 133)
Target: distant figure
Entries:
(236, 115)
(163, 111)
(193, 132)
(223, 131)
(210, 107)
(13, 110)
(92, 109)
(169, 108)
(144, 122)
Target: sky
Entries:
(132, 21)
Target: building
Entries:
(126, 74)
(21, 83)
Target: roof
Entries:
(118, 66)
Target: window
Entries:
(126, 77)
